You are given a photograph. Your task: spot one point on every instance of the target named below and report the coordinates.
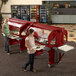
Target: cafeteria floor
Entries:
(12, 65)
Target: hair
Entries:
(30, 32)
(6, 20)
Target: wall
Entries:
(63, 19)
(6, 10)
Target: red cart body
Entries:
(47, 35)
(17, 27)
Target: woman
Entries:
(30, 44)
(6, 33)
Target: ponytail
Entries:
(30, 32)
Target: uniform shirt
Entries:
(31, 44)
(6, 29)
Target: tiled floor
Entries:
(71, 28)
(12, 65)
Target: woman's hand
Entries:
(31, 49)
(8, 36)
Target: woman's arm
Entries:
(26, 43)
(3, 28)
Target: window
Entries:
(67, 5)
(55, 5)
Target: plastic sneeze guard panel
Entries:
(42, 34)
(15, 24)
(66, 48)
